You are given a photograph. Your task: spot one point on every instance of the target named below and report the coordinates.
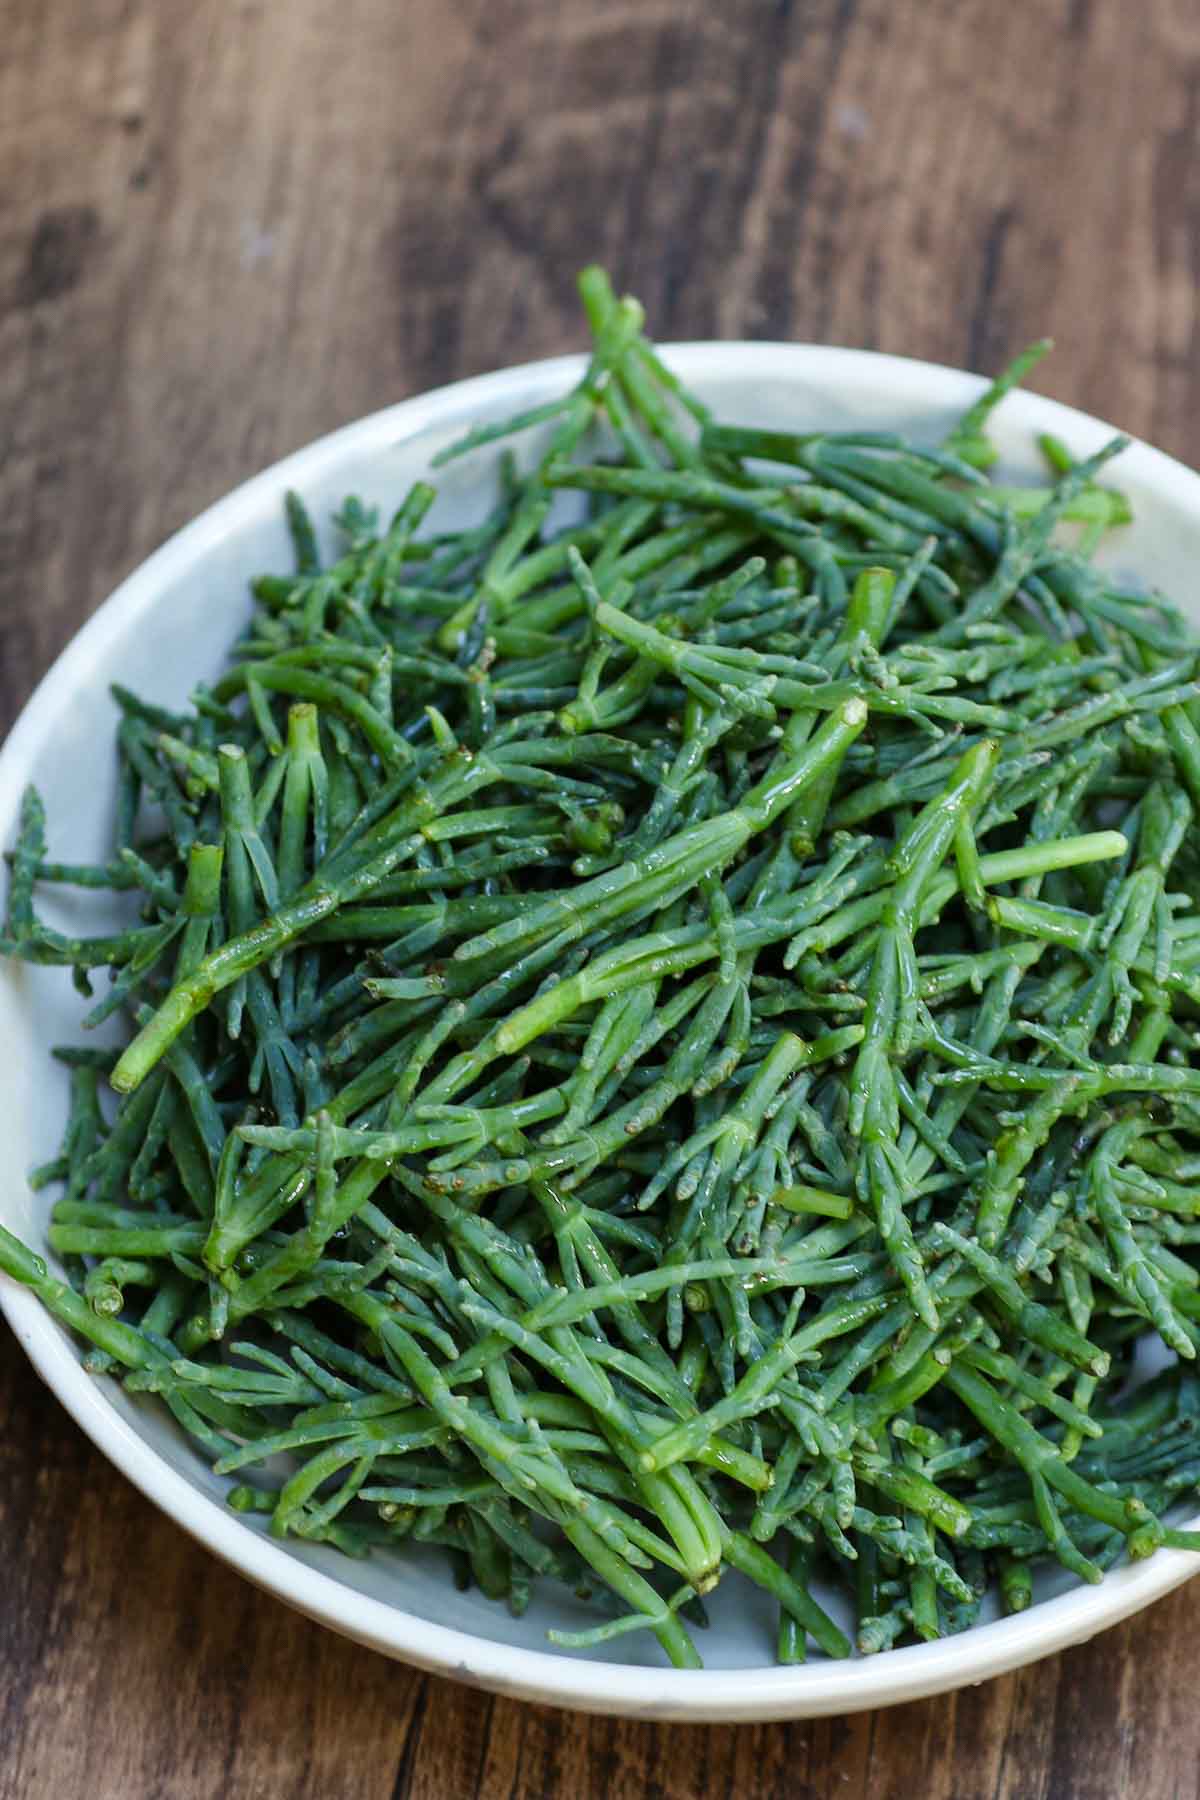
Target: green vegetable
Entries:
(666, 1044)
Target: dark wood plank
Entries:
(230, 226)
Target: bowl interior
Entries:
(170, 625)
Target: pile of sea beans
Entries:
(663, 1029)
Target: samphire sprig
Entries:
(662, 1036)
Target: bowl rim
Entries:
(545, 1676)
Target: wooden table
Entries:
(229, 226)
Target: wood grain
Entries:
(229, 226)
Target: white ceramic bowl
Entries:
(168, 625)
